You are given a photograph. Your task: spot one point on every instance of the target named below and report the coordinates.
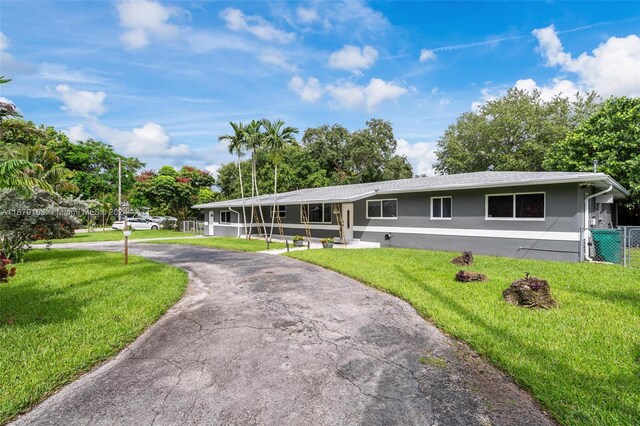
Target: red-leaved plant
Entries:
(6, 270)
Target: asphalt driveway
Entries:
(267, 340)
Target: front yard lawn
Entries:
(225, 243)
(65, 311)
(116, 235)
(582, 360)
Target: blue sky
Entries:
(161, 80)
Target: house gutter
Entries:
(586, 220)
(245, 224)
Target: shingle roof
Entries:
(347, 193)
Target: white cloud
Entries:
(421, 155)
(309, 91)
(613, 68)
(307, 16)
(208, 41)
(77, 133)
(274, 57)
(10, 65)
(58, 72)
(559, 87)
(256, 25)
(486, 95)
(213, 168)
(81, 103)
(353, 96)
(144, 18)
(355, 15)
(444, 101)
(4, 41)
(353, 59)
(427, 55)
(150, 140)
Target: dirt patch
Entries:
(468, 276)
(530, 292)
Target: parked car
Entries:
(157, 219)
(137, 224)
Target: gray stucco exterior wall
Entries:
(554, 237)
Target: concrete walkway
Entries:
(267, 340)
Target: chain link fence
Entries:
(620, 245)
(632, 245)
(603, 245)
(191, 226)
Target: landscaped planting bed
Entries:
(581, 359)
(66, 311)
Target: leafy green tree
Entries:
(514, 132)
(37, 216)
(397, 167)
(611, 137)
(170, 192)
(7, 109)
(328, 145)
(369, 150)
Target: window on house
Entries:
(225, 217)
(516, 206)
(382, 209)
(317, 213)
(441, 208)
(281, 211)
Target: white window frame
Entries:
(323, 204)
(514, 194)
(380, 200)
(282, 211)
(222, 214)
(441, 207)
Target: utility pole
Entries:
(119, 188)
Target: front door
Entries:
(347, 219)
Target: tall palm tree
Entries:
(277, 136)
(254, 140)
(237, 143)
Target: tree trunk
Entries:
(275, 191)
(255, 181)
(244, 212)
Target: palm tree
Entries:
(236, 146)
(277, 136)
(13, 176)
(40, 166)
(254, 140)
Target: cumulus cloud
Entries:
(486, 95)
(353, 96)
(80, 102)
(274, 57)
(142, 19)
(77, 133)
(427, 55)
(612, 68)
(558, 87)
(255, 25)
(353, 59)
(421, 155)
(307, 16)
(150, 140)
(309, 90)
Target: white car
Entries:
(136, 223)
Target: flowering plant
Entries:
(6, 270)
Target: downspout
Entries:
(586, 220)
(238, 213)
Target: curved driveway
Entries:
(267, 340)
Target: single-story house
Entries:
(516, 214)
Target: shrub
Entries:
(298, 238)
(6, 270)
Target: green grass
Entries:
(634, 260)
(66, 311)
(225, 243)
(582, 360)
(115, 235)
